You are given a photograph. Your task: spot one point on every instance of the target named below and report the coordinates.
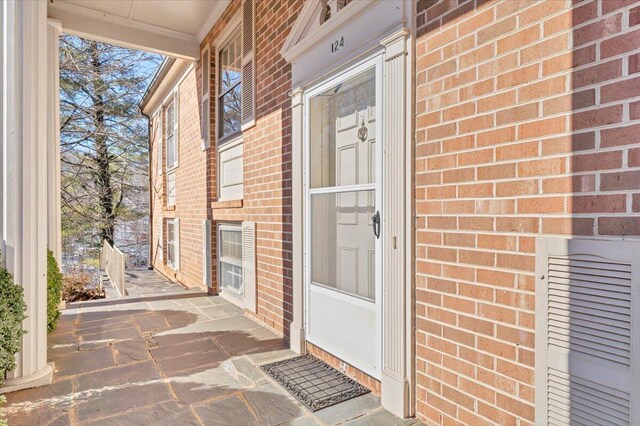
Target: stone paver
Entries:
(146, 281)
(187, 361)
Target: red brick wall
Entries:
(267, 160)
(528, 123)
(192, 201)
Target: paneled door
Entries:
(343, 216)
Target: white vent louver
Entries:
(249, 265)
(587, 299)
(248, 55)
(205, 102)
(206, 252)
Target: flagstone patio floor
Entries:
(178, 361)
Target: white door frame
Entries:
(365, 25)
(375, 62)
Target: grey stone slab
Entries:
(164, 414)
(302, 421)
(115, 400)
(192, 346)
(165, 305)
(184, 335)
(249, 373)
(84, 362)
(205, 301)
(225, 412)
(203, 384)
(271, 356)
(348, 410)
(129, 351)
(101, 315)
(98, 326)
(63, 420)
(192, 361)
(109, 336)
(271, 405)
(239, 323)
(62, 345)
(258, 340)
(39, 406)
(382, 418)
(185, 317)
(65, 324)
(117, 376)
(221, 311)
(151, 322)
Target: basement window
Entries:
(230, 260)
(173, 243)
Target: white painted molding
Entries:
(307, 30)
(395, 45)
(104, 27)
(395, 383)
(297, 332)
(216, 12)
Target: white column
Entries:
(395, 382)
(24, 191)
(296, 335)
(54, 207)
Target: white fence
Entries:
(114, 262)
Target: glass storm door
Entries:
(343, 217)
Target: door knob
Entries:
(376, 224)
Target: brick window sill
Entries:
(227, 204)
(169, 208)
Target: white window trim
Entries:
(158, 122)
(206, 96)
(172, 203)
(233, 29)
(172, 99)
(175, 265)
(232, 141)
(226, 226)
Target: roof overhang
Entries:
(166, 78)
(169, 27)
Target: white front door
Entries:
(343, 216)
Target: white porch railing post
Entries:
(24, 192)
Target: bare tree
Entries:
(104, 138)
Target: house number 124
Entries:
(337, 45)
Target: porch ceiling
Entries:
(170, 27)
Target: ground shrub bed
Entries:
(77, 286)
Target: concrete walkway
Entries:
(180, 361)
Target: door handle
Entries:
(376, 224)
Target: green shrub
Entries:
(54, 290)
(3, 422)
(12, 308)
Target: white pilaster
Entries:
(296, 337)
(395, 382)
(24, 192)
(54, 207)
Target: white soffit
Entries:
(170, 27)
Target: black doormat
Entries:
(313, 382)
